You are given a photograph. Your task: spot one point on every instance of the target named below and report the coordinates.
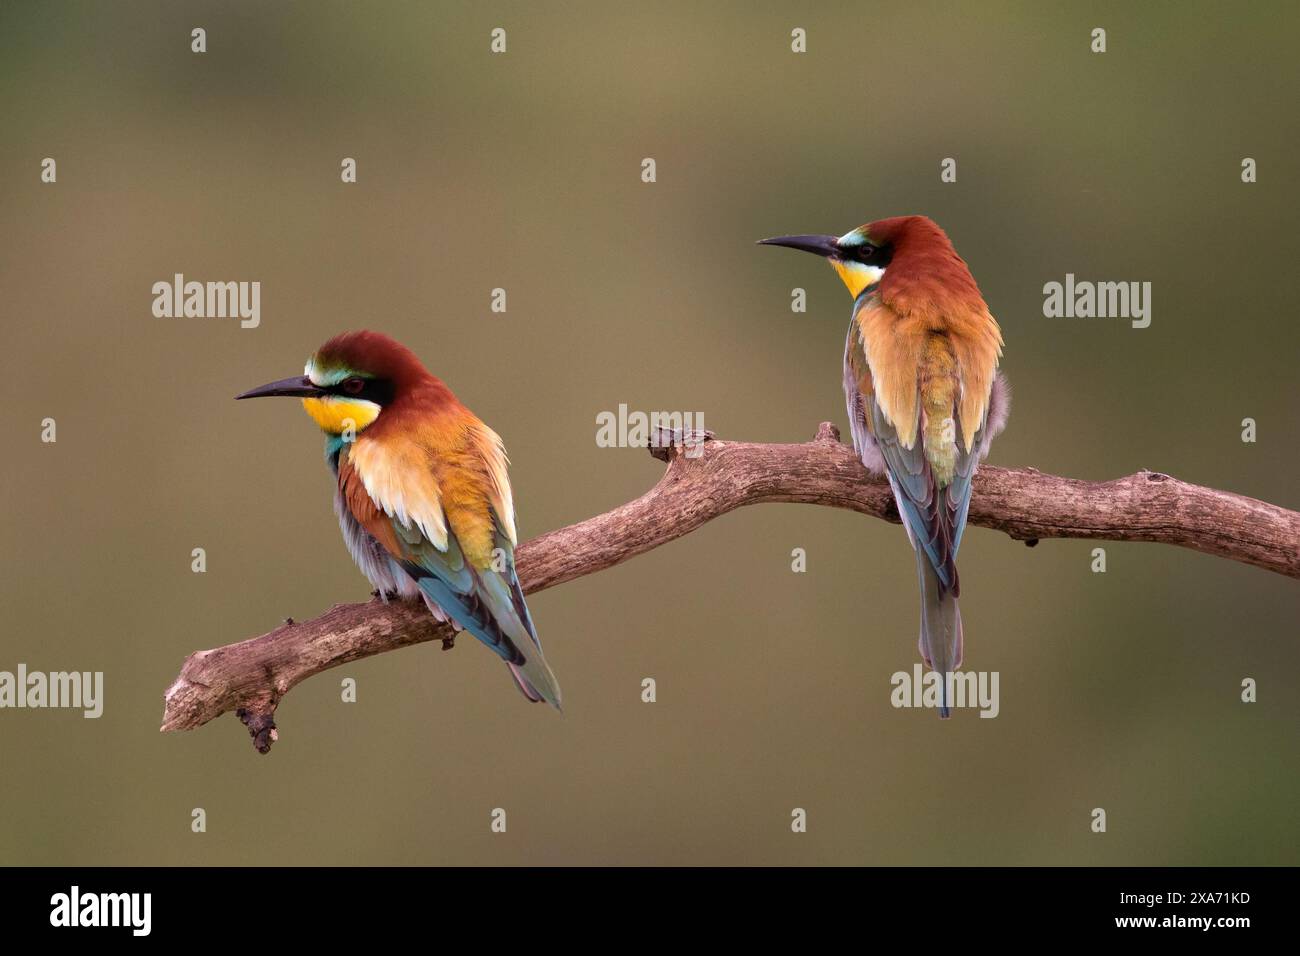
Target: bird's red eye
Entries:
(353, 386)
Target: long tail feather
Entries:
(940, 642)
(536, 680)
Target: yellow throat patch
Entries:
(857, 275)
(337, 414)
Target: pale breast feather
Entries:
(976, 342)
(894, 347)
(397, 475)
(495, 463)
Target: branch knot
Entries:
(669, 443)
(827, 433)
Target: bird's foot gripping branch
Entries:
(252, 677)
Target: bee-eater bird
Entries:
(421, 493)
(925, 398)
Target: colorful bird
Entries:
(925, 398)
(422, 494)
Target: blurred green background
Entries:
(1118, 690)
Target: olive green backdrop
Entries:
(1118, 690)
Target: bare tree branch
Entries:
(707, 478)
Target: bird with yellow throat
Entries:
(925, 398)
(421, 494)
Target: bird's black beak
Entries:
(817, 245)
(299, 386)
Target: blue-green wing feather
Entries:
(486, 602)
(920, 502)
(477, 600)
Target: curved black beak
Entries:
(300, 386)
(817, 245)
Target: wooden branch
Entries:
(707, 478)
